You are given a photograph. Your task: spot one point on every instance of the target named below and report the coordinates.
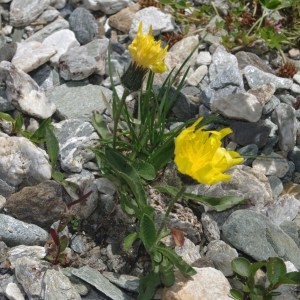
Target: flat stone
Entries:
(101, 283)
(108, 7)
(15, 232)
(31, 55)
(255, 235)
(23, 12)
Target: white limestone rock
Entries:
(24, 93)
(22, 161)
(31, 55)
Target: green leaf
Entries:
(148, 233)
(63, 243)
(148, 285)
(57, 175)
(100, 126)
(183, 266)
(129, 240)
(241, 266)
(236, 294)
(121, 165)
(166, 272)
(19, 123)
(7, 117)
(270, 4)
(52, 146)
(157, 257)
(275, 269)
(290, 278)
(39, 135)
(144, 169)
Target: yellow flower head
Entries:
(199, 154)
(146, 52)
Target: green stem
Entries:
(118, 108)
(169, 209)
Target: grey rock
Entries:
(256, 78)
(276, 186)
(61, 41)
(249, 58)
(79, 244)
(195, 78)
(24, 93)
(13, 292)
(7, 51)
(188, 251)
(210, 227)
(245, 133)
(75, 137)
(127, 282)
(100, 282)
(284, 117)
(66, 96)
(108, 7)
(286, 208)
(23, 12)
(35, 252)
(271, 105)
(81, 62)
(58, 24)
(204, 58)
(160, 21)
(255, 235)
(57, 286)
(46, 77)
(84, 25)
(274, 164)
(48, 16)
(221, 254)
(291, 229)
(45, 201)
(31, 55)
(59, 4)
(242, 106)
(22, 161)
(294, 156)
(15, 232)
(249, 152)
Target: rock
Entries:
(160, 21)
(22, 162)
(15, 232)
(22, 12)
(57, 25)
(122, 20)
(57, 286)
(45, 77)
(61, 41)
(24, 93)
(108, 7)
(284, 117)
(48, 15)
(203, 58)
(66, 96)
(188, 251)
(12, 291)
(256, 78)
(34, 252)
(96, 279)
(81, 62)
(221, 254)
(239, 231)
(84, 25)
(276, 186)
(45, 202)
(242, 106)
(31, 55)
(207, 284)
(210, 228)
(127, 282)
(274, 164)
(246, 133)
(75, 137)
(195, 78)
(7, 51)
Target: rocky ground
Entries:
(53, 57)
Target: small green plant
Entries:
(254, 289)
(59, 240)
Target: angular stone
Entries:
(207, 284)
(22, 161)
(61, 41)
(109, 7)
(255, 235)
(31, 55)
(256, 78)
(23, 12)
(84, 25)
(15, 232)
(45, 201)
(24, 93)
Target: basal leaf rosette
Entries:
(147, 54)
(199, 154)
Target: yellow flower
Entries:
(199, 154)
(146, 52)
